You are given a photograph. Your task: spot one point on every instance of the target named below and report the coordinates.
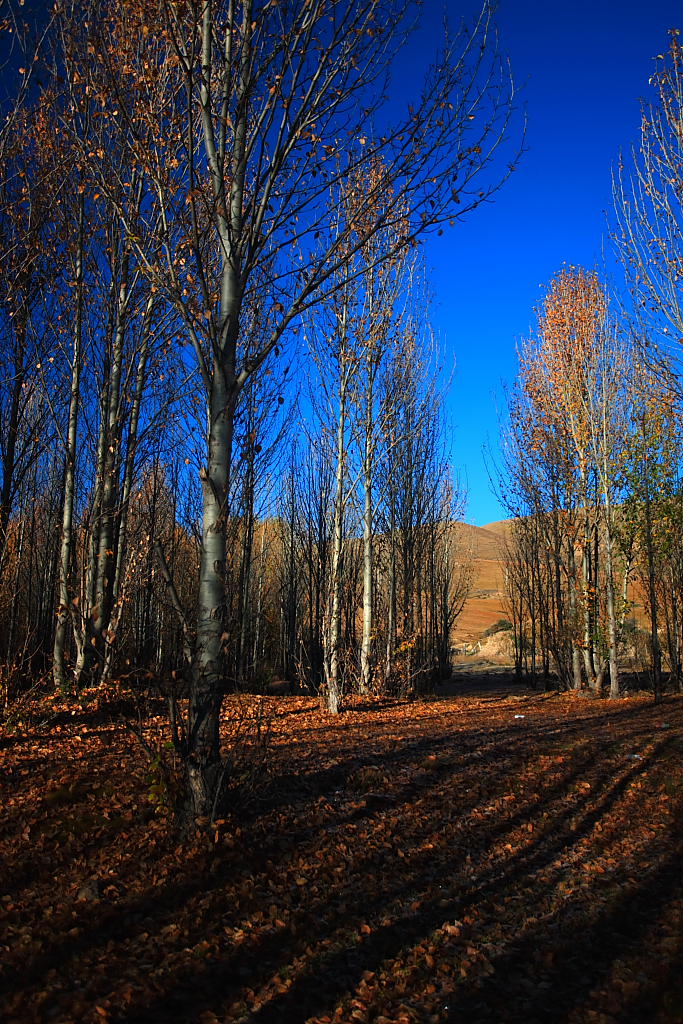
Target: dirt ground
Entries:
(479, 677)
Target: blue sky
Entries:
(582, 68)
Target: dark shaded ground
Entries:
(488, 855)
(480, 678)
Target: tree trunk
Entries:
(612, 631)
(576, 654)
(332, 695)
(12, 430)
(391, 589)
(244, 597)
(203, 761)
(368, 577)
(66, 543)
(131, 452)
(105, 564)
(655, 647)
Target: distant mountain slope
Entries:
(485, 542)
(486, 603)
(500, 528)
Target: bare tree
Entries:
(648, 230)
(28, 190)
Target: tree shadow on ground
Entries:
(476, 870)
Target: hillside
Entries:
(486, 603)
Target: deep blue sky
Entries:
(582, 68)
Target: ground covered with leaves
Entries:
(494, 855)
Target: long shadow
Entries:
(316, 991)
(473, 742)
(584, 949)
(335, 975)
(291, 788)
(129, 917)
(158, 907)
(335, 972)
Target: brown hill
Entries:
(500, 528)
(486, 603)
(484, 541)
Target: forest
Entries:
(246, 776)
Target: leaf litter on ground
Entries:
(403, 862)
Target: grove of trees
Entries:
(222, 437)
(226, 476)
(592, 451)
(224, 461)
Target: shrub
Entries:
(498, 627)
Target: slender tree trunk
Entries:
(104, 585)
(655, 647)
(576, 654)
(333, 695)
(82, 616)
(69, 487)
(391, 590)
(11, 432)
(368, 570)
(587, 585)
(129, 470)
(244, 603)
(14, 613)
(371, 358)
(612, 630)
(259, 600)
(203, 755)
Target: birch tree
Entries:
(385, 286)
